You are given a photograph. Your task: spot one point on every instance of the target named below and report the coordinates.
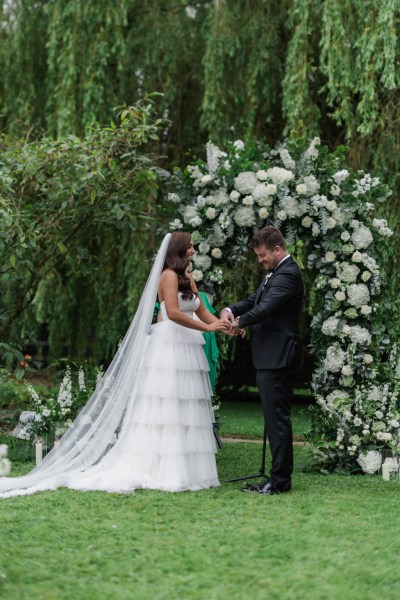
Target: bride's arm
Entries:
(169, 289)
(202, 312)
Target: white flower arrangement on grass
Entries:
(312, 196)
(5, 464)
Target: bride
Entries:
(149, 422)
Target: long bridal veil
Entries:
(96, 428)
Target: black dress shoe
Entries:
(265, 489)
(254, 486)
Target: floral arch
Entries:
(310, 195)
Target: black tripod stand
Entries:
(261, 472)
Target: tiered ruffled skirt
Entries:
(166, 441)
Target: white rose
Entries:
(216, 253)
(357, 256)
(345, 236)
(281, 215)
(335, 190)
(204, 247)
(330, 256)
(340, 296)
(331, 223)
(262, 175)
(335, 282)
(234, 196)
(248, 200)
(394, 423)
(197, 275)
(263, 213)
(347, 371)
(271, 189)
(366, 310)
(366, 276)
(307, 222)
(331, 205)
(210, 212)
(301, 188)
(367, 359)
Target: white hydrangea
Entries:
(291, 207)
(360, 335)
(174, 198)
(340, 176)
(206, 179)
(370, 461)
(218, 198)
(382, 226)
(370, 263)
(362, 237)
(202, 261)
(189, 213)
(244, 216)
(279, 176)
(204, 247)
(224, 220)
(261, 195)
(335, 358)
(335, 190)
(312, 185)
(358, 294)
(176, 224)
(330, 326)
(246, 182)
(336, 399)
(347, 272)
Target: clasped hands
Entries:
(230, 320)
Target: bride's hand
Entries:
(218, 325)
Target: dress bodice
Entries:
(188, 306)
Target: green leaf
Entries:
(13, 261)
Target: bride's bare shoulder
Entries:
(168, 276)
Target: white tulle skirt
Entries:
(166, 441)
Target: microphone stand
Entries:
(261, 472)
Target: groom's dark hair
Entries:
(269, 236)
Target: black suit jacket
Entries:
(273, 313)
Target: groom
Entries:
(273, 312)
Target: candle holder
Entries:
(390, 469)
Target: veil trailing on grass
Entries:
(96, 428)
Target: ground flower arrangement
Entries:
(329, 211)
(50, 416)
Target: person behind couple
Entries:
(149, 425)
(273, 313)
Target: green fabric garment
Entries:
(210, 347)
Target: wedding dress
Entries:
(150, 423)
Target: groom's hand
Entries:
(227, 315)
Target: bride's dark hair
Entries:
(177, 261)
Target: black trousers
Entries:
(276, 392)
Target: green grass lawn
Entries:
(243, 419)
(333, 537)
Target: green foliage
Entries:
(69, 207)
